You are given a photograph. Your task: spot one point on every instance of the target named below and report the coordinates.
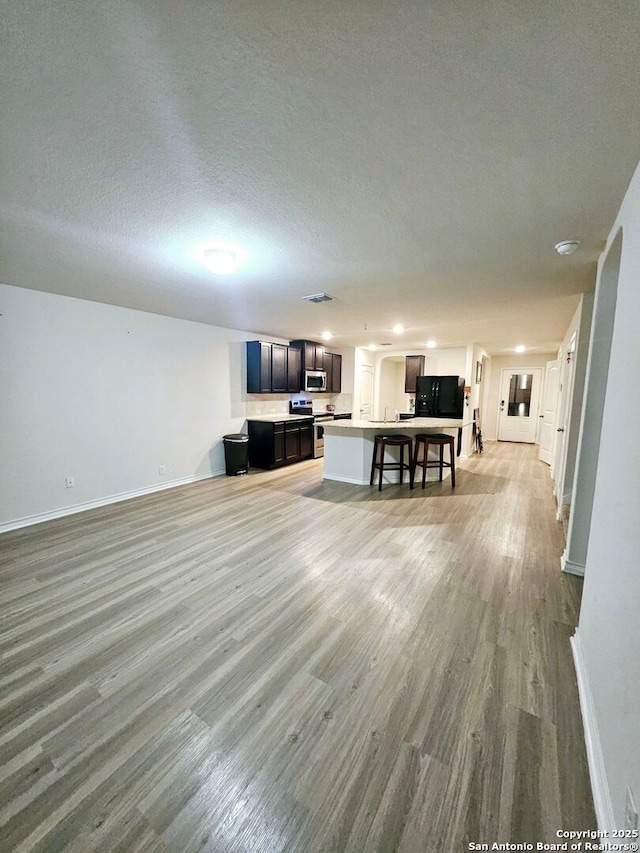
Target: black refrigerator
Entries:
(439, 396)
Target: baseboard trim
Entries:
(352, 480)
(39, 518)
(570, 567)
(595, 759)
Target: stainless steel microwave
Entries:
(315, 380)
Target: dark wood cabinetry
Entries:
(312, 354)
(294, 367)
(258, 367)
(414, 367)
(272, 444)
(272, 368)
(277, 369)
(333, 366)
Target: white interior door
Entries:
(547, 417)
(519, 401)
(366, 391)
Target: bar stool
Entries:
(382, 441)
(439, 440)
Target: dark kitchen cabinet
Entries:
(312, 355)
(294, 367)
(279, 368)
(258, 367)
(278, 445)
(333, 368)
(335, 377)
(272, 444)
(272, 368)
(306, 440)
(414, 367)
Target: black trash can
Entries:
(236, 453)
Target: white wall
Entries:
(492, 398)
(106, 395)
(609, 628)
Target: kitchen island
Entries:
(348, 445)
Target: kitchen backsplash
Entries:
(268, 404)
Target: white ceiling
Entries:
(415, 159)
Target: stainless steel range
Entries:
(305, 407)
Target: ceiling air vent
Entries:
(318, 297)
(384, 345)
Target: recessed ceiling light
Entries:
(431, 344)
(567, 247)
(372, 346)
(398, 329)
(220, 261)
(520, 348)
(326, 336)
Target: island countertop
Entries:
(398, 426)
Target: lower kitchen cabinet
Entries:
(272, 444)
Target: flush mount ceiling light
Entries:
(398, 329)
(567, 247)
(431, 344)
(520, 348)
(372, 346)
(326, 336)
(220, 261)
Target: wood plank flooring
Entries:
(277, 663)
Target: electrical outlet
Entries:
(630, 812)
(69, 482)
(162, 470)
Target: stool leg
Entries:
(452, 456)
(441, 460)
(381, 465)
(413, 458)
(373, 460)
(425, 456)
(401, 462)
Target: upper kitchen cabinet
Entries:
(333, 366)
(294, 368)
(279, 368)
(258, 367)
(272, 368)
(312, 355)
(414, 367)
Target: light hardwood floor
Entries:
(277, 663)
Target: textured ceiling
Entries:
(416, 160)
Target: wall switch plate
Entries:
(162, 470)
(630, 812)
(69, 482)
